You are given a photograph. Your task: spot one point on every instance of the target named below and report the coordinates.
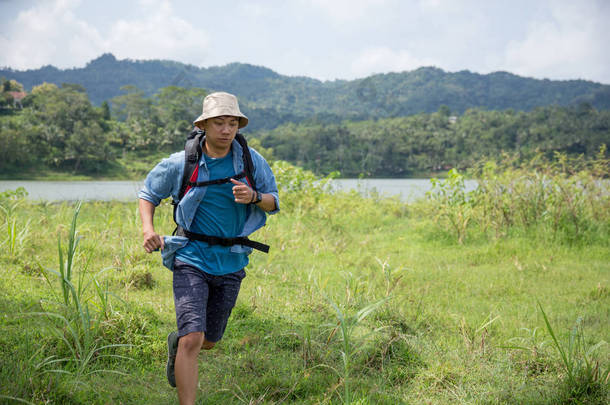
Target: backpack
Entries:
(192, 154)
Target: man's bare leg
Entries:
(186, 367)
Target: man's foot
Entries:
(172, 349)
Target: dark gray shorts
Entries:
(204, 301)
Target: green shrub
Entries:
(565, 198)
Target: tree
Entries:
(16, 152)
(132, 105)
(106, 110)
(11, 85)
(176, 108)
(70, 131)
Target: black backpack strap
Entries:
(217, 240)
(215, 182)
(192, 154)
(247, 158)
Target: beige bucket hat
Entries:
(221, 103)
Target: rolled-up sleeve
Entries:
(159, 183)
(265, 179)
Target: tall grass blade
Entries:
(565, 358)
(62, 273)
(23, 401)
(369, 309)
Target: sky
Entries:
(323, 39)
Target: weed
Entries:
(19, 400)
(391, 280)
(347, 324)
(584, 376)
(15, 236)
(142, 279)
(73, 324)
(534, 347)
(15, 239)
(600, 292)
(564, 197)
(476, 339)
(452, 203)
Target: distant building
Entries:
(17, 97)
(452, 119)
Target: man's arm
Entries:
(245, 195)
(152, 241)
(267, 203)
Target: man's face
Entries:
(220, 131)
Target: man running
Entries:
(207, 261)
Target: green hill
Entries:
(271, 99)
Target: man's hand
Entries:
(242, 193)
(152, 241)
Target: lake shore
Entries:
(126, 190)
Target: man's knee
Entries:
(191, 343)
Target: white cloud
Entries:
(52, 32)
(384, 59)
(573, 44)
(342, 11)
(45, 31)
(254, 10)
(319, 38)
(158, 34)
(441, 5)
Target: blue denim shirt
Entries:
(165, 179)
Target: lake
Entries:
(406, 189)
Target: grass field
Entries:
(360, 300)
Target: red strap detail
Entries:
(193, 178)
(248, 181)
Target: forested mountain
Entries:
(271, 99)
(57, 128)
